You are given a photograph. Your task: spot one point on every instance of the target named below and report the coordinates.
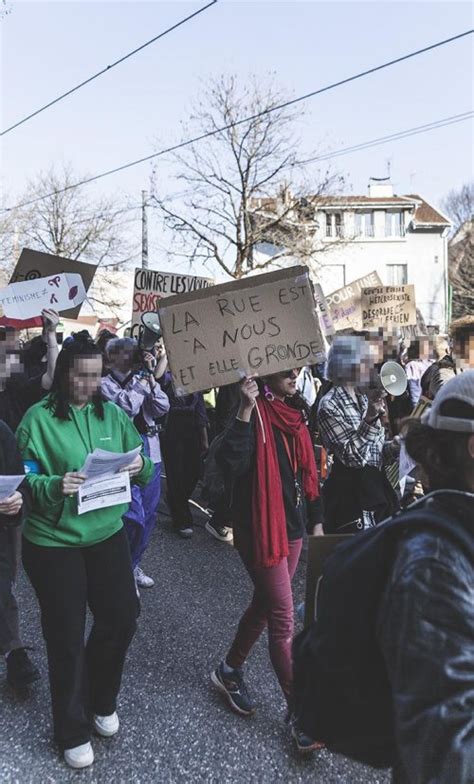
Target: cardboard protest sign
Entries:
(414, 331)
(27, 299)
(151, 286)
(32, 264)
(388, 306)
(257, 326)
(324, 313)
(319, 548)
(345, 304)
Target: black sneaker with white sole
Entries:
(220, 532)
(232, 686)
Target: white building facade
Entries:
(403, 238)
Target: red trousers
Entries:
(272, 605)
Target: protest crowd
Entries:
(94, 431)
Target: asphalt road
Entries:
(174, 726)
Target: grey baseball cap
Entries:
(460, 388)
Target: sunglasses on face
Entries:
(293, 374)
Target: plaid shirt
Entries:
(345, 433)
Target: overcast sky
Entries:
(47, 47)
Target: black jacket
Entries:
(426, 632)
(11, 463)
(236, 458)
(19, 395)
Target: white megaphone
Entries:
(393, 378)
(150, 329)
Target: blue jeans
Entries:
(140, 519)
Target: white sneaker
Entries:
(107, 725)
(142, 579)
(79, 756)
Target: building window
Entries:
(334, 224)
(364, 224)
(394, 226)
(397, 274)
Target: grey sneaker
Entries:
(233, 688)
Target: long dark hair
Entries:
(79, 345)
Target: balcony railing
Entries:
(335, 231)
(365, 231)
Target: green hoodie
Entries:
(50, 448)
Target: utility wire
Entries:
(236, 123)
(456, 118)
(108, 68)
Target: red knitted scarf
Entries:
(270, 538)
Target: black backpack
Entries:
(341, 688)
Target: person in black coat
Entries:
(21, 384)
(267, 459)
(426, 616)
(21, 672)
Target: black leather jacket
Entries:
(426, 632)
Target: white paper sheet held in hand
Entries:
(104, 486)
(104, 492)
(101, 462)
(8, 485)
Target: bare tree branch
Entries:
(459, 206)
(222, 222)
(70, 224)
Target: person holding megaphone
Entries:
(132, 384)
(357, 494)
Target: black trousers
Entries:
(181, 444)
(84, 679)
(9, 554)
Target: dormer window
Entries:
(394, 226)
(334, 225)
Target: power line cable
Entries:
(441, 123)
(236, 123)
(108, 68)
(456, 118)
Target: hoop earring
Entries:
(268, 393)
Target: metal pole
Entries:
(144, 232)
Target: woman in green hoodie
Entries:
(78, 561)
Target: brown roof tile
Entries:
(424, 212)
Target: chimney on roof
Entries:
(380, 187)
(285, 194)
